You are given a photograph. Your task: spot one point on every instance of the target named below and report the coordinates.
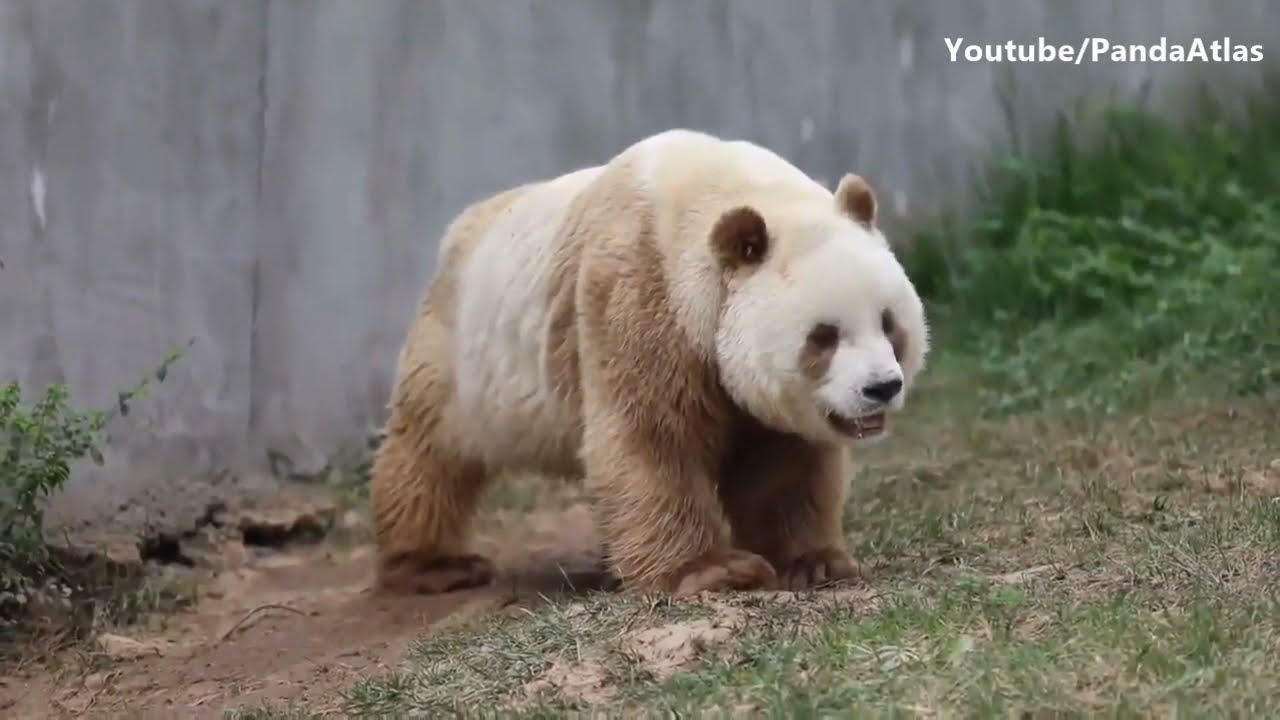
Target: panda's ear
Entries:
(856, 199)
(740, 238)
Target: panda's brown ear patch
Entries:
(740, 238)
(856, 199)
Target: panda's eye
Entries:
(824, 335)
(886, 322)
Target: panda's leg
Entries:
(653, 418)
(424, 491)
(661, 524)
(785, 500)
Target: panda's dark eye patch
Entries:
(886, 322)
(824, 335)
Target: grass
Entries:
(1079, 515)
(1128, 568)
(1095, 281)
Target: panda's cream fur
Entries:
(696, 328)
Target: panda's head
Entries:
(821, 332)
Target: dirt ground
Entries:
(292, 623)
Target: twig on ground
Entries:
(255, 611)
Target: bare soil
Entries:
(294, 623)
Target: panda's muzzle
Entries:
(858, 428)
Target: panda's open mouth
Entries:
(858, 427)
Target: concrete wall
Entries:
(270, 176)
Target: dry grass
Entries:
(85, 595)
(1126, 567)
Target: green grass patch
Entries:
(986, 650)
(1110, 566)
(1105, 273)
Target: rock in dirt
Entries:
(120, 647)
(115, 552)
(354, 521)
(662, 651)
(586, 682)
(665, 649)
(233, 555)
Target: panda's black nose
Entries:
(883, 391)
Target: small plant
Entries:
(39, 446)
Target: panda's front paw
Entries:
(422, 574)
(819, 568)
(726, 571)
